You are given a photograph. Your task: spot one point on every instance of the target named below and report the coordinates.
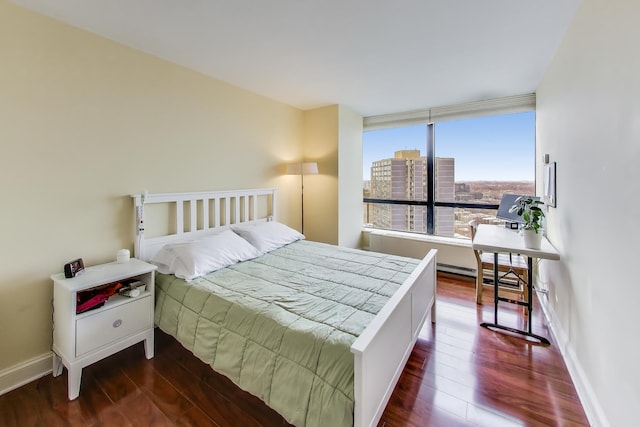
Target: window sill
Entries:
(451, 241)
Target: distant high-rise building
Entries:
(445, 192)
(404, 177)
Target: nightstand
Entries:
(80, 339)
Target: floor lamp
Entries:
(302, 169)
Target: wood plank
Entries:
(458, 374)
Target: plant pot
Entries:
(532, 240)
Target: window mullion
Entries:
(431, 174)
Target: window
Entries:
(471, 162)
(395, 173)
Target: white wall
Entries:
(349, 177)
(451, 252)
(588, 120)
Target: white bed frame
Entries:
(383, 348)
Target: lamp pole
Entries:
(302, 199)
(302, 169)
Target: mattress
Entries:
(280, 326)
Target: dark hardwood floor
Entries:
(459, 374)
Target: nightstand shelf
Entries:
(80, 339)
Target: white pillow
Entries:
(267, 236)
(192, 259)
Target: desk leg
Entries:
(530, 289)
(495, 324)
(495, 288)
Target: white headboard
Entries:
(196, 214)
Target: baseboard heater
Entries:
(456, 269)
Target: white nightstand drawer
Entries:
(111, 325)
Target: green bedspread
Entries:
(281, 326)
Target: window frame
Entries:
(494, 107)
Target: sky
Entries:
(494, 148)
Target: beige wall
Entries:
(333, 198)
(321, 191)
(588, 121)
(85, 123)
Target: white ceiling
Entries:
(374, 56)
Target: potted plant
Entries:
(528, 208)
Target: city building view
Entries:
(404, 177)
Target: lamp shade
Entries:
(310, 168)
(306, 168)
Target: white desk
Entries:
(491, 238)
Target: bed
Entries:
(320, 333)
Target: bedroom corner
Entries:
(87, 122)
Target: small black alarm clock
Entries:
(73, 268)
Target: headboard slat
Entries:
(193, 210)
(180, 216)
(244, 202)
(205, 214)
(237, 209)
(216, 214)
(255, 208)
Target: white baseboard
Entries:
(25, 372)
(588, 398)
